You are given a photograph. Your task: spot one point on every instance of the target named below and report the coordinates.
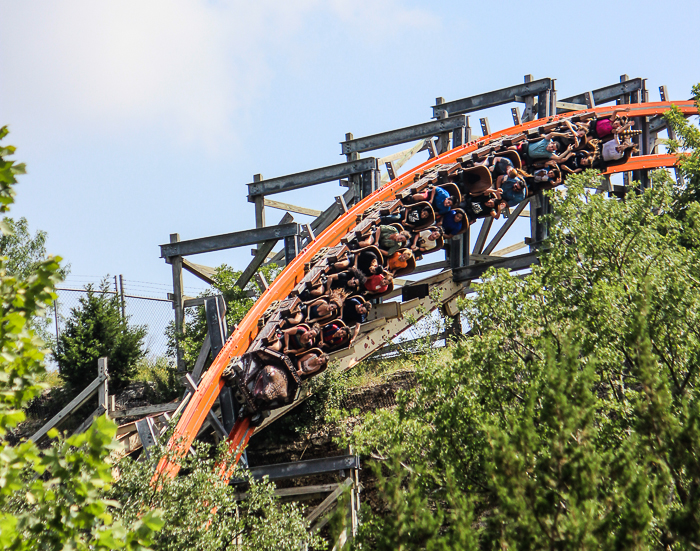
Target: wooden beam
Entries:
(201, 359)
(205, 273)
(292, 208)
(76, 403)
(495, 98)
(608, 93)
(505, 227)
(510, 249)
(143, 411)
(261, 255)
(328, 502)
(310, 177)
(483, 234)
(211, 416)
(307, 467)
(403, 135)
(510, 262)
(228, 240)
(89, 420)
(564, 106)
(295, 491)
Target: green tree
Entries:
(569, 416)
(687, 142)
(202, 512)
(96, 329)
(52, 500)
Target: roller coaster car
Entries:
(476, 180)
(262, 381)
(512, 156)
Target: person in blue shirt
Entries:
(513, 190)
(440, 198)
(453, 222)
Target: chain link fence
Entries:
(156, 314)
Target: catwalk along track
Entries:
(259, 361)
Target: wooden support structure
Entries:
(261, 255)
(227, 240)
(291, 208)
(475, 271)
(608, 93)
(505, 227)
(97, 386)
(495, 98)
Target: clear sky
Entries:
(138, 118)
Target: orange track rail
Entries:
(209, 387)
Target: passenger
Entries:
(390, 240)
(320, 310)
(426, 240)
(399, 260)
(335, 334)
(439, 197)
(500, 166)
(311, 363)
(613, 150)
(489, 204)
(368, 263)
(453, 223)
(352, 280)
(578, 162)
(409, 216)
(608, 127)
(355, 311)
(300, 338)
(378, 283)
(513, 191)
(542, 179)
(543, 149)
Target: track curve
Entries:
(211, 384)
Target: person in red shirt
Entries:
(378, 283)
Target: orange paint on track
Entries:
(211, 384)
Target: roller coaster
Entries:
(296, 326)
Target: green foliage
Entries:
(201, 512)
(687, 141)
(237, 305)
(96, 329)
(161, 372)
(569, 417)
(48, 500)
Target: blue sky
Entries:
(141, 118)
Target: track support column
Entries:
(178, 303)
